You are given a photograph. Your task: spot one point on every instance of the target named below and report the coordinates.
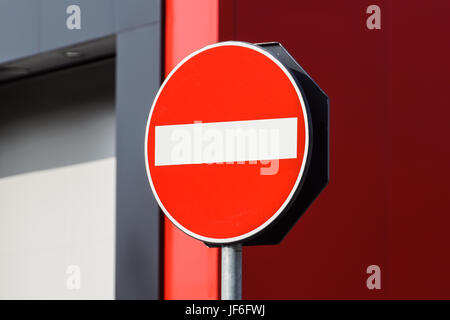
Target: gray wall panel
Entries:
(57, 119)
(133, 13)
(138, 232)
(97, 20)
(57, 184)
(28, 27)
(40, 26)
(19, 28)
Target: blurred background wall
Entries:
(57, 185)
(77, 218)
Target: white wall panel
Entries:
(51, 219)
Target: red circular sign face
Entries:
(226, 142)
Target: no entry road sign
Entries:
(230, 140)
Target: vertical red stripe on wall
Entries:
(191, 270)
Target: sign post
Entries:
(236, 148)
(231, 278)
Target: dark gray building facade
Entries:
(77, 79)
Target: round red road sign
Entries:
(226, 142)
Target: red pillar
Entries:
(191, 270)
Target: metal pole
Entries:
(231, 272)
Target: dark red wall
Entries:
(388, 200)
(419, 203)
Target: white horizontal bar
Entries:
(226, 142)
